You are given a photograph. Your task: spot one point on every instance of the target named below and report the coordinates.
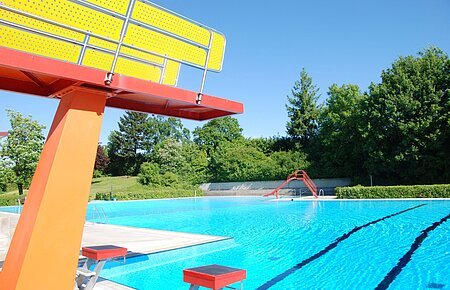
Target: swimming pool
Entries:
(295, 245)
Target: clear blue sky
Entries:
(347, 41)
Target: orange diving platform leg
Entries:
(45, 248)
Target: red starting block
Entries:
(96, 255)
(213, 276)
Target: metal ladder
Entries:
(19, 206)
(100, 213)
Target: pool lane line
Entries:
(390, 277)
(331, 246)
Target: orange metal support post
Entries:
(50, 229)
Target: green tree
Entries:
(239, 161)
(303, 110)
(445, 136)
(266, 145)
(6, 173)
(273, 144)
(339, 151)
(168, 155)
(22, 148)
(137, 138)
(101, 161)
(126, 147)
(185, 160)
(406, 121)
(216, 132)
(287, 162)
(195, 170)
(158, 129)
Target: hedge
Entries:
(416, 191)
(9, 199)
(150, 194)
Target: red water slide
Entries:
(297, 175)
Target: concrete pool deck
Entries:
(138, 241)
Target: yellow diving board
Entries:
(150, 42)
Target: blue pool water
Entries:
(295, 245)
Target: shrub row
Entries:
(416, 191)
(9, 199)
(151, 194)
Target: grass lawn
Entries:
(122, 184)
(123, 188)
(128, 188)
(99, 185)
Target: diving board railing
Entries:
(137, 45)
(297, 175)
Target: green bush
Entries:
(97, 174)
(9, 199)
(417, 191)
(149, 174)
(151, 194)
(170, 179)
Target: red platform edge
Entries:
(41, 76)
(98, 253)
(213, 281)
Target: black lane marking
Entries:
(435, 285)
(390, 277)
(331, 246)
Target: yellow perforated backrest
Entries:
(152, 35)
(164, 20)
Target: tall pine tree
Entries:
(303, 111)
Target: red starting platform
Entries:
(97, 256)
(98, 253)
(214, 277)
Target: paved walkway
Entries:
(141, 241)
(136, 240)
